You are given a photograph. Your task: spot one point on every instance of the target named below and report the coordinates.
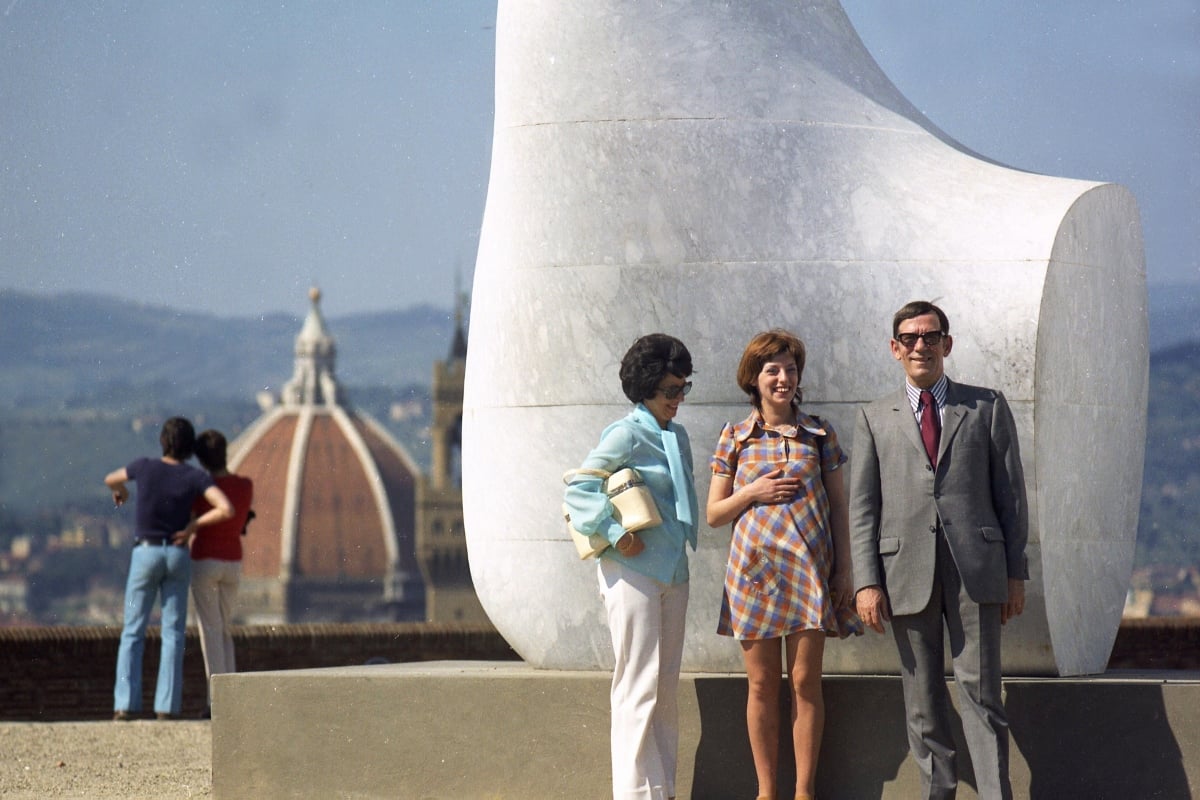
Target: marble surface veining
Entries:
(712, 170)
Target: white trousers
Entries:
(646, 622)
(214, 594)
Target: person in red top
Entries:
(217, 560)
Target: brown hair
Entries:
(919, 308)
(760, 350)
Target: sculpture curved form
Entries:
(709, 170)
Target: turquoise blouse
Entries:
(638, 441)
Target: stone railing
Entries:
(55, 674)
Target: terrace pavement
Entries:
(148, 760)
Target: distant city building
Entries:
(88, 531)
(441, 540)
(335, 502)
(14, 595)
(1163, 591)
(21, 547)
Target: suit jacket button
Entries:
(933, 528)
(929, 468)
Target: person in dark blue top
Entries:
(161, 566)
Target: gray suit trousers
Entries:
(974, 635)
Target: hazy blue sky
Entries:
(225, 155)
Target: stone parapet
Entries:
(66, 673)
(1171, 643)
(61, 673)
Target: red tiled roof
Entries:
(266, 464)
(340, 530)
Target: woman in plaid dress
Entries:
(776, 477)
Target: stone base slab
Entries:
(500, 730)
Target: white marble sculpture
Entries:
(713, 169)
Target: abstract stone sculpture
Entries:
(713, 169)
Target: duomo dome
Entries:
(335, 499)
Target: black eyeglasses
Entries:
(671, 392)
(909, 340)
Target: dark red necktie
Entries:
(931, 426)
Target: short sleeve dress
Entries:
(781, 554)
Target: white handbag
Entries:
(633, 507)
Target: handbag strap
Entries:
(584, 472)
(632, 480)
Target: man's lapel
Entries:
(908, 423)
(952, 419)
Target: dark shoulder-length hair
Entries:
(178, 439)
(648, 361)
(761, 349)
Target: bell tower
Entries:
(441, 541)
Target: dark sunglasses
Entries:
(909, 340)
(674, 391)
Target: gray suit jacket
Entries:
(977, 495)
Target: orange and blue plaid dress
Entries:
(781, 556)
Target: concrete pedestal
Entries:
(504, 730)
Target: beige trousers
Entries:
(214, 596)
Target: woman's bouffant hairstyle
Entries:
(210, 450)
(178, 439)
(760, 350)
(648, 361)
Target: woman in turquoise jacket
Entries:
(644, 576)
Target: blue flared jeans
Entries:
(161, 573)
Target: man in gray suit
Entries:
(938, 524)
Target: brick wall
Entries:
(1157, 643)
(56, 674)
